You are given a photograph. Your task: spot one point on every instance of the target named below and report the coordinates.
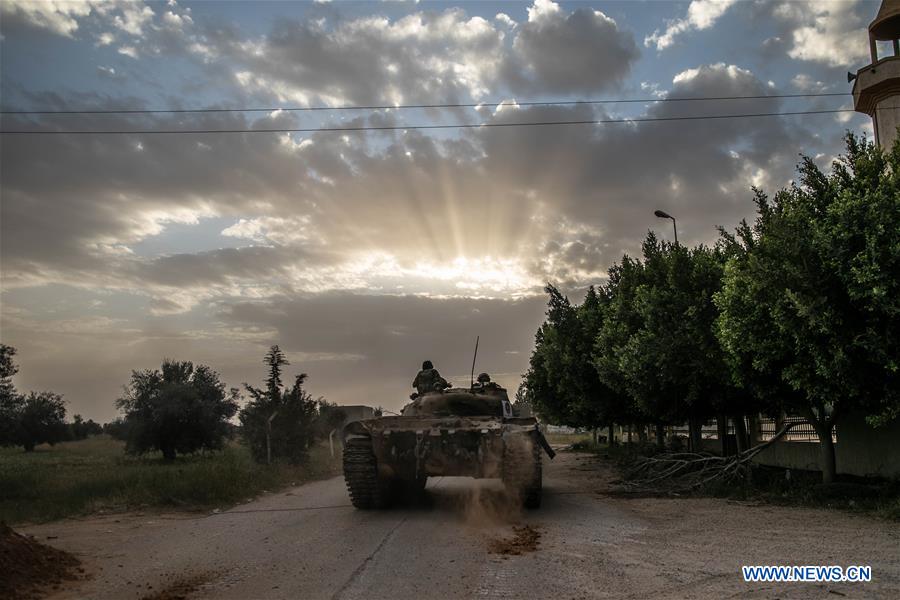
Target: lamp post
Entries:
(664, 215)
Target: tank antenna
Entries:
(472, 376)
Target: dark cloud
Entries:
(427, 56)
(561, 199)
(580, 52)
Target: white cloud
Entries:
(653, 88)
(59, 16)
(272, 230)
(176, 22)
(806, 83)
(105, 39)
(109, 72)
(733, 72)
(133, 18)
(542, 9)
(832, 33)
(129, 51)
(701, 14)
(506, 20)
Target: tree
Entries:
(810, 303)
(556, 379)
(562, 382)
(38, 418)
(655, 338)
(117, 429)
(10, 401)
(672, 363)
(42, 420)
(80, 429)
(178, 409)
(620, 321)
(522, 404)
(279, 422)
(8, 368)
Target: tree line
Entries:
(179, 408)
(795, 313)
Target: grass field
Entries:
(74, 478)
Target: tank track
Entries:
(522, 472)
(367, 490)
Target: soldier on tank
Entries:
(485, 382)
(429, 380)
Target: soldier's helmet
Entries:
(427, 365)
(484, 378)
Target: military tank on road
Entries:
(468, 432)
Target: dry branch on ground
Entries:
(686, 471)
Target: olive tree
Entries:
(176, 409)
(31, 419)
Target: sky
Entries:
(364, 253)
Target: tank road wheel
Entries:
(367, 489)
(522, 470)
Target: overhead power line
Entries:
(411, 106)
(352, 128)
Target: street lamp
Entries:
(664, 215)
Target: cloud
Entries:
(60, 17)
(426, 56)
(139, 29)
(105, 39)
(367, 59)
(133, 18)
(176, 22)
(831, 33)
(805, 83)
(492, 212)
(701, 14)
(358, 250)
(506, 20)
(275, 230)
(129, 51)
(106, 71)
(582, 51)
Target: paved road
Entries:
(308, 542)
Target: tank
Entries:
(458, 432)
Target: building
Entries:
(876, 87)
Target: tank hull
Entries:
(451, 433)
(412, 447)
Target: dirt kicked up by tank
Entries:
(457, 432)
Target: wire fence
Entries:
(766, 429)
(803, 432)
